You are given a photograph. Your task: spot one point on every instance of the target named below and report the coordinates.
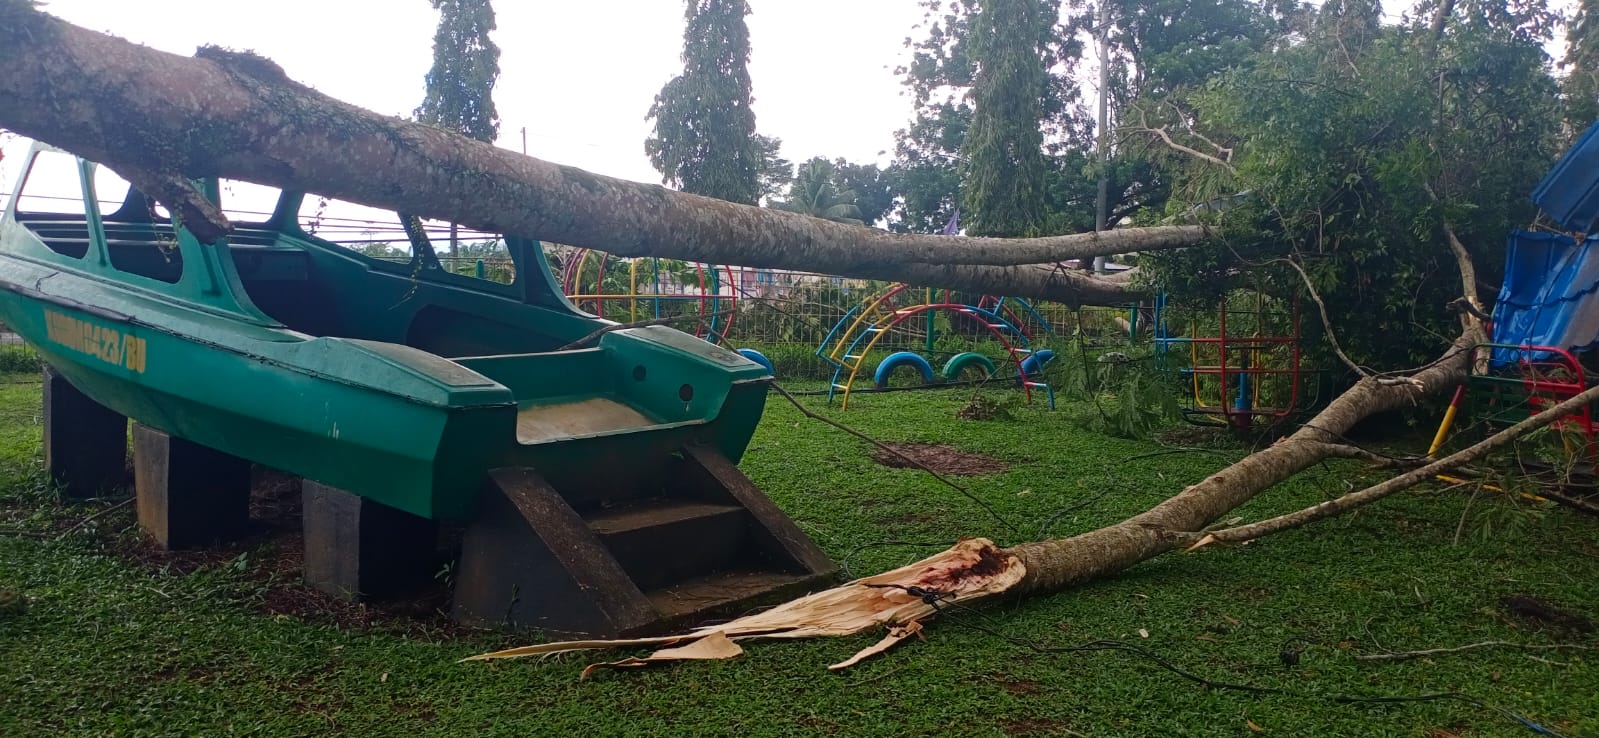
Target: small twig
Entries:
(1406, 655)
(1326, 321)
(596, 335)
(890, 449)
(1179, 450)
(92, 518)
(20, 533)
(1166, 137)
(1571, 502)
(1460, 527)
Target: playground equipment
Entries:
(634, 290)
(849, 346)
(1545, 322)
(1020, 313)
(597, 486)
(1235, 374)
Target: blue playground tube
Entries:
(1034, 364)
(756, 357)
(899, 359)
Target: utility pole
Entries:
(1102, 203)
(524, 140)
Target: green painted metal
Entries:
(401, 382)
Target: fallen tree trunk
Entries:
(159, 119)
(976, 569)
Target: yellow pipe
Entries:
(1443, 431)
(843, 340)
(1193, 353)
(632, 286)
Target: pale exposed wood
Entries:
(541, 423)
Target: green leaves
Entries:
(1344, 139)
(466, 64)
(705, 140)
(1003, 166)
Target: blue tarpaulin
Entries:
(1548, 298)
(1569, 193)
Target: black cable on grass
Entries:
(936, 598)
(890, 449)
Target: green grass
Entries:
(109, 646)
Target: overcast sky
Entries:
(580, 76)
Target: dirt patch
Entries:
(1017, 686)
(273, 566)
(1535, 610)
(943, 459)
(983, 407)
(1036, 726)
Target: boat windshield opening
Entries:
(145, 244)
(50, 203)
(381, 234)
(247, 203)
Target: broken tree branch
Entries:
(1404, 481)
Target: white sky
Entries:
(580, 76)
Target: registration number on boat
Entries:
(106, 344)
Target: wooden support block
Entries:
(85, 443)
(188, 495)
(530, 561)
(356, 548)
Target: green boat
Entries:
(597, 484)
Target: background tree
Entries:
(941, 76)
(466, 64)
(1003, 164)
(704, 140)
(1582, 63)
(873, 187)
(775, 172)
(1366, 152)
(814, 193)
(460, 86)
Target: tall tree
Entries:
(460, 86)
(940, 78)
(1003, 165)
(874, 188)
(1582, 61)
(704, 139)
(466, 64)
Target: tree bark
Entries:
(155, 116)
(976, 569)
(1056, 564)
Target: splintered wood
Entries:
(898, 599)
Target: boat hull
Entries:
(268, 403)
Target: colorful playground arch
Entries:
(851, 342)
(647, 295)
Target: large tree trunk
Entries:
(157, 117)
(975, 569)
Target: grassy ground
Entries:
(119, 640)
